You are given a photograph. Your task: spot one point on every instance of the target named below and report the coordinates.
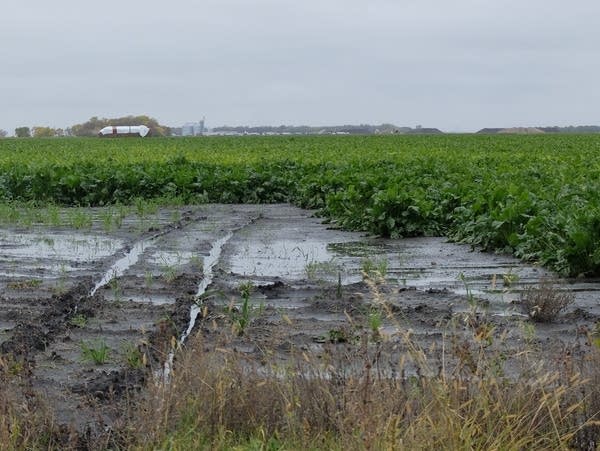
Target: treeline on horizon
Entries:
(93, 125)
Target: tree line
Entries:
(90, 127)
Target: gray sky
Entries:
(455, 65)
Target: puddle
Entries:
(72, 247)
(172, 258)
(52, 255)
(288, 259)
(149, 298)
(363, 249)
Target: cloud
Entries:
(465, 64)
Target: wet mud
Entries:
(87, 317)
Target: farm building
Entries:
(124, 130)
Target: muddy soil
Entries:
(88, 316)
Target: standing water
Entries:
(121, 265)
(209, 263)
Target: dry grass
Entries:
(355, 395)
(544, 303)
(25, 422)
(342, 399)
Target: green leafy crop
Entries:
(537, 197)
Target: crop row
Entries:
(537, 197)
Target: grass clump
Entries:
(79, 320)
(96, 352)
(133, 357)
(351, 397)
(25, 421)
(219, 402)
(545, 302)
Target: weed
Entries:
(148, 278)
(60, 287)
(544, 303)
(375, 322)
(241, 318)
(374, 267)
(107, 217)
(115, 287)
(528, 331)
(24, 284)
(78, 320)
(509, 278)
(96, 352)
(133, 357)
(197, 263)
(315, 269)
(80, 219)
(339, 335)
(169, 273)
(311, 270)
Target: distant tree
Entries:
(22, 132)
(43, 132)
(59, 132)
(95, 124)
(3, 133)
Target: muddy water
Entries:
(300, 251)
(139, 286)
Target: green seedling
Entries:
(338, 336)
(311, 270)
(78, 320)
(314, 269)
(148, 279)
(96, 352)
(80, 219)
(528, 330)
(197, 263)
(53, 215)
(24, 284)
(374, 268)
(60, 287)
(115, 287)
(242, 316)
(134, 358)
(106, 216)
(375, 323)
(509, 278)
(169, 273)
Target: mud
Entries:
(154, 282)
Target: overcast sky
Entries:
(457, 65)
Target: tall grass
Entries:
(346, 399)
(25, 421)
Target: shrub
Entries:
(544, 303)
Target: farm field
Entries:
(129, 266)
(534, 196)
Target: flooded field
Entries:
(87, 315)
